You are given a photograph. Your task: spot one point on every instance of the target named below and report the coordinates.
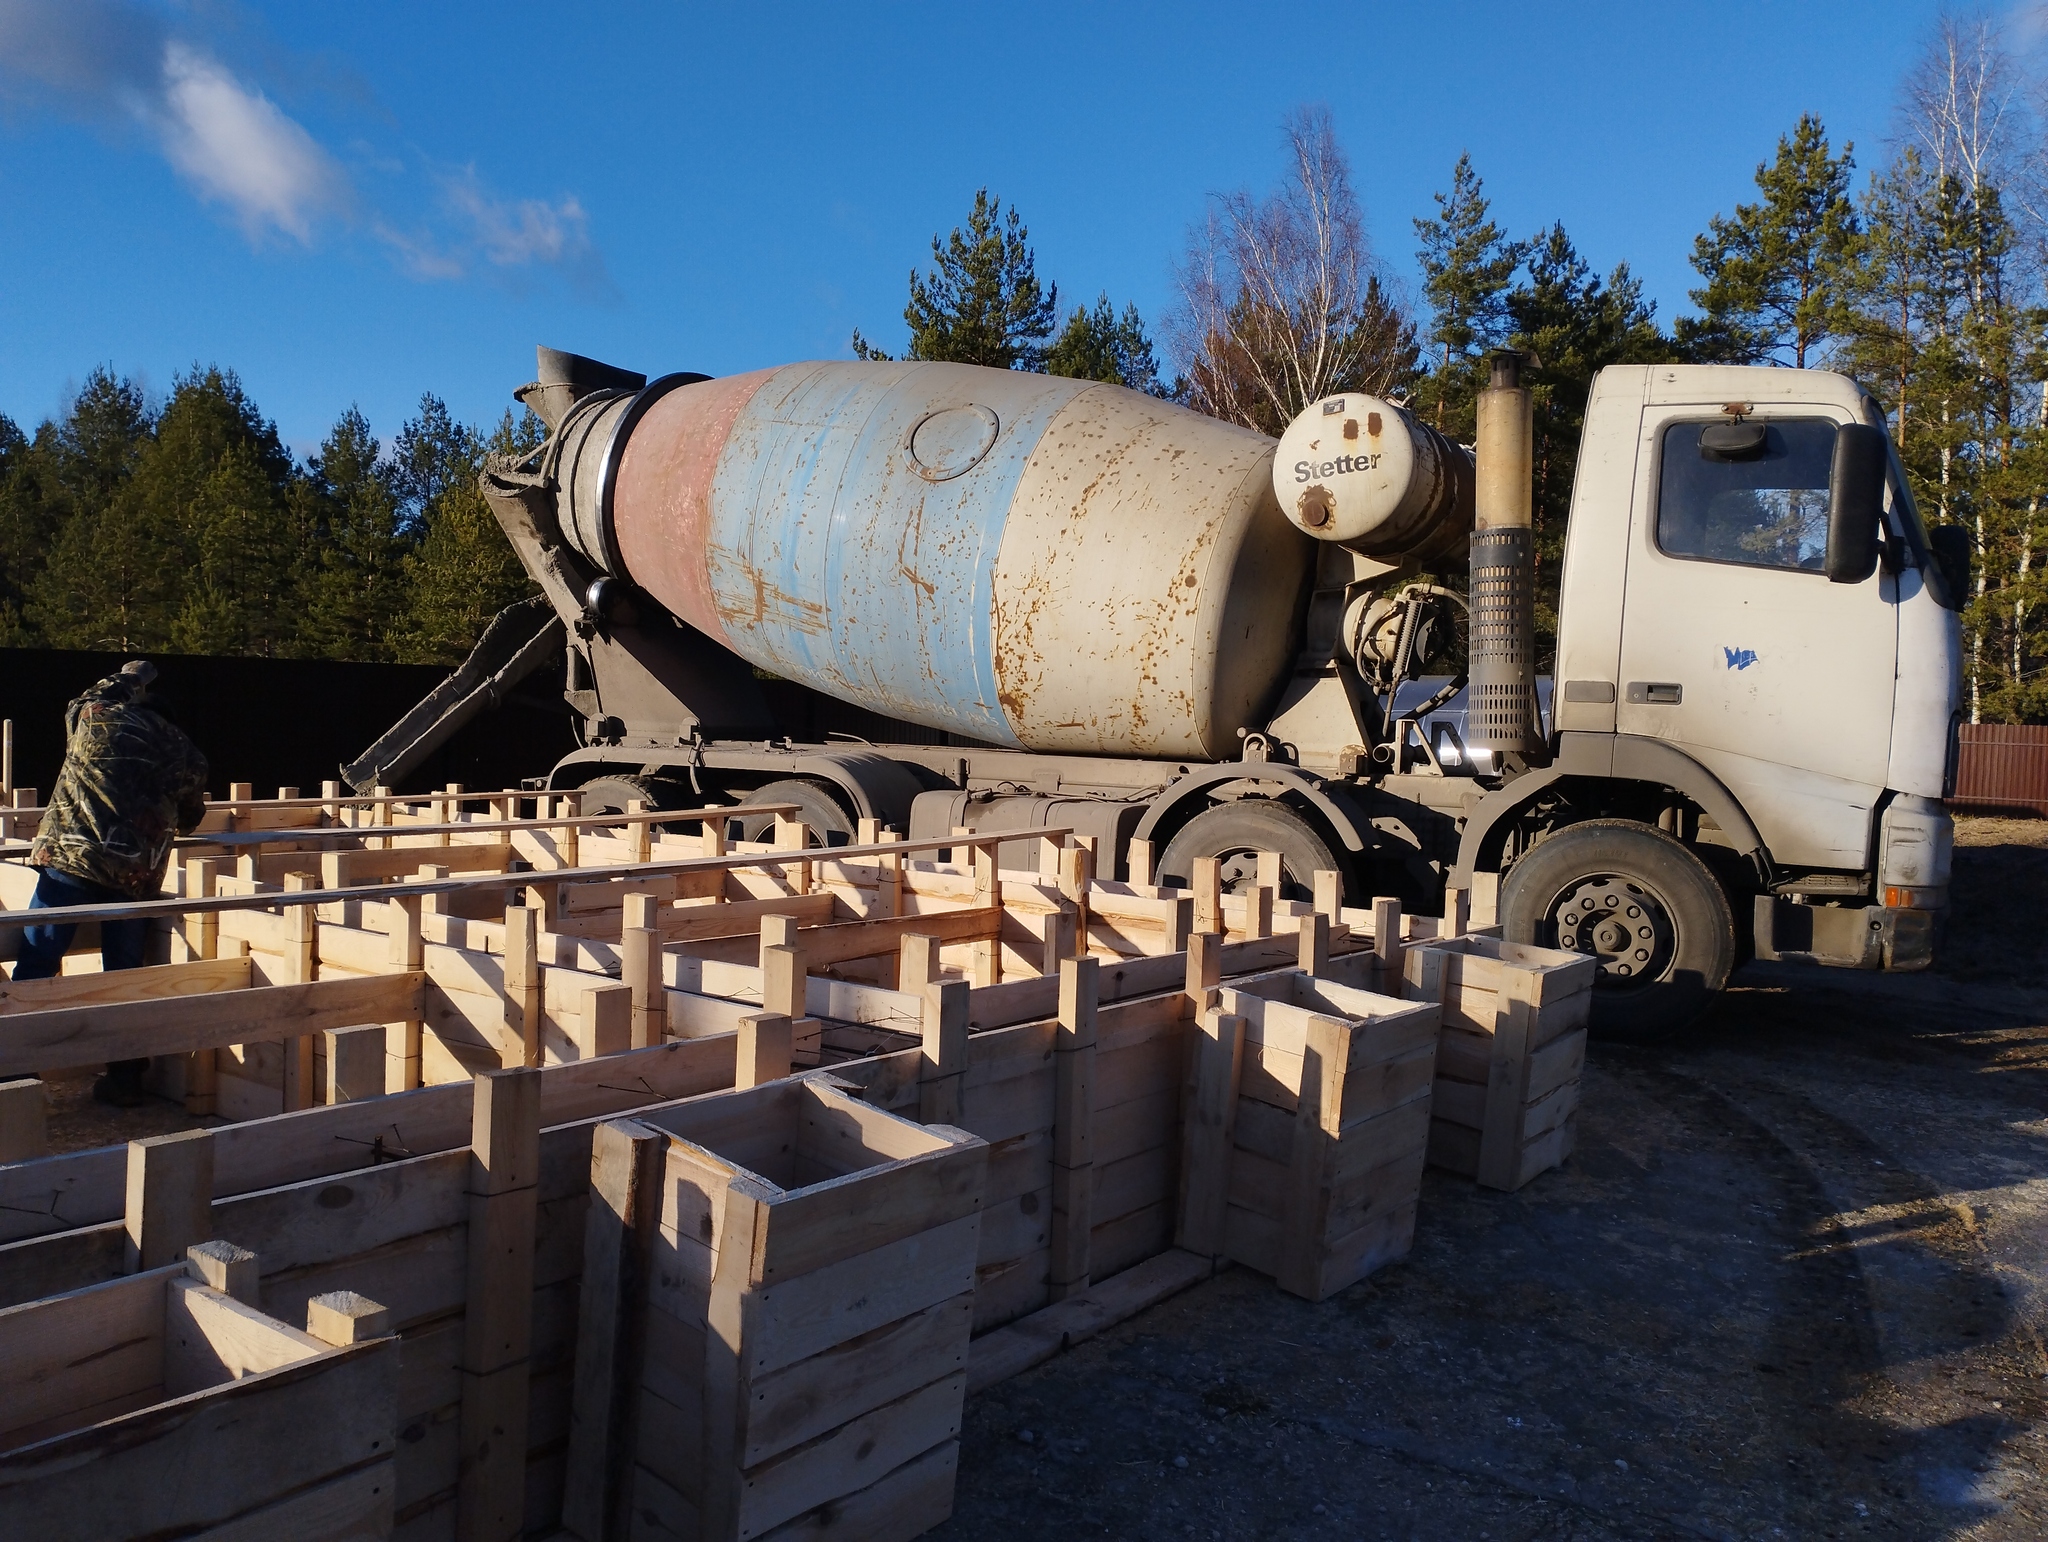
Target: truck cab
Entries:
(1798, 703)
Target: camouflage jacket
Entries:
(130, 781)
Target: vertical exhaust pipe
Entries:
(1502, 713)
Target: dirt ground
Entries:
(1793, 1284)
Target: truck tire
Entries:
(1639, 901)
(817, 807)
(1237, 833)
(611, 794)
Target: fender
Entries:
(876, 786)
(1615, 758)
(1295, 779)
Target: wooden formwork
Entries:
(1514, 1042)
(1046, 1022)
(113, 1396)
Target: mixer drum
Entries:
(1026, 560)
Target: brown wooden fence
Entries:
(2002, 766)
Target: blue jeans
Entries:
(43, 947)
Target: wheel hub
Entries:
(1619, 922)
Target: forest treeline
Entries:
(187, 525)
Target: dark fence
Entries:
(285, 722)
(2002, 766)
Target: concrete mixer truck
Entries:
(944, 596)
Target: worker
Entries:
(131, 778)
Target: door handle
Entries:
(1655, 693)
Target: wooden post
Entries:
(794, 835)
(735, 1305)
(301, 1088)
(1507, 1078)
(889, 890)
(619, 1232)
(569, 806)
(1318, 1119)
(523, 984)
(380, 815)
(1182, 926)
(640, 968)
(1457, 909)
(1258, 912)
(226, 1268)
(604, 1021)
(943, 1070)
(1205, 970)
(287, 794)
(1269, 871)
(330, 808)
(355, 1063)
(1208, 887)
(201, 937)
(639, 833)
(779, 932)
(867, 831)
(24, 1123)
(1058, 945)
(1314, 955)
(1073, 1164)
(170, 1197)
(712, 834)
(406, 949)
(782, 980)
(6, 761)
(1207, 1133)
(1077, 873)
(342, 1318)
(987, 967)
(1485, 899)
(764, 1049)
(1386, 944)
(917, 962)
(504, 1171)
(1329, 891)
(1139, 859)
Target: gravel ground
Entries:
(1793, 1284)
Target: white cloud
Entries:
(119, 63)
(236, 147)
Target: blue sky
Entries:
(361, 203)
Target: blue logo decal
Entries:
(1740, 658)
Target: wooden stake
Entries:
(568, 806)
(640, 968)
(1258, 912)
(1058, 945)
(764, 1049)
(24, 1122)
(1314, 956)
(1457, 910)
(498, 1310)
(1329, 890)
(917, 962)
(639, 837)
(170, 1197)
(1208, 888)
(406, 949)
(355, 1063)
(1139, 858)
(1205, 970)
(301, 1088)
(1386, 942)
(604, 1021)
(1073, 1167)
(619, 1233)
(1207, 1134)
(943, 1069)
(1269, 871)
(524, 993)
(226, 1268)
(343, 1318)
(987, 955)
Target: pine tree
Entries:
(1099, 345)
(356, 594)
(982, 302)
(463, 572)
(1777, 273)
(1467, 265)
(108, 571)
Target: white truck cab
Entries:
(1803, 703)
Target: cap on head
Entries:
(141, 671)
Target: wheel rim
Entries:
(1623, 923)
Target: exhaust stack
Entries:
(1502, 713)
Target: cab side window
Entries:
(1751, 492)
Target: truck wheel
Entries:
(611, 794)
(830, 824)
(1237, 833)
(1641, 903)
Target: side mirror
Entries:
(1950, 545)
(1855, 502)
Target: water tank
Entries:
(1047, 564)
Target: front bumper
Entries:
(1895, 937)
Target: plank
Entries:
(355, 1507)
(152, 982)
(827, 1223)
(130, 1476)
(799, 1317)
(1011, 1350)
(851, 1457)
(209, 1338)
(82, 1348)
(906, 1503)
(91, 1035)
